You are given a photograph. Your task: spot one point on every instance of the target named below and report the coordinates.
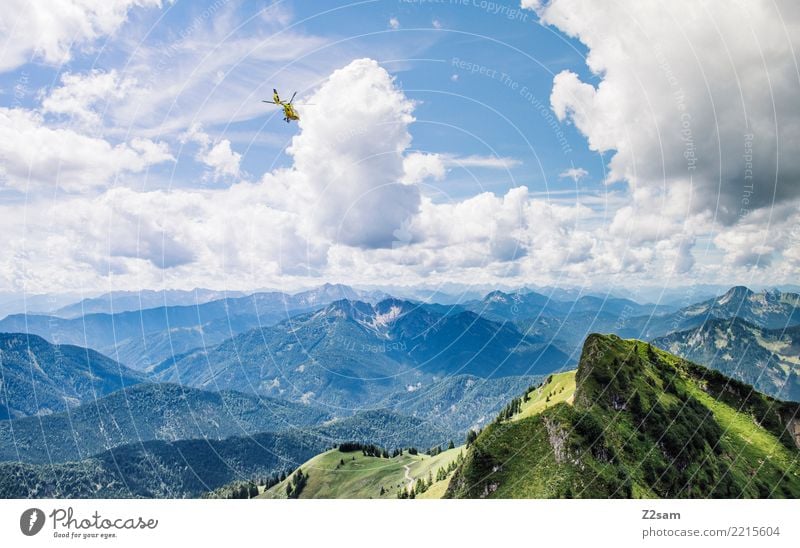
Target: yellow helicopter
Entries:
(289, 113)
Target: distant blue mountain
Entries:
(766, 309)
(354, 354)
(125, 301)
(529, 304)
(143, 338)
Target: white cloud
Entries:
(219, 156)
(695, 104)
(574, 173)
(394, 23)
(79, 94)
(419, 166)
(760, 237)
(34, 154)
(476, 160)
(348, 158)
(48, 31)
(436, 24)
(222, 159)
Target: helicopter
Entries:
(289, 113)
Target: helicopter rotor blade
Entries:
(292, 99)
(270, 102)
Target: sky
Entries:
(627, 145)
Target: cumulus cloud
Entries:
(349, 205)
(49, 30)
(760, 237)
(222, 159)
(343, 189)
(394, 23)
(695, 95)
(419, 166)
(348, 161)
(35, 154)
(219, 156)
(79, 95)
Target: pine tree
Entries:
(451, 445)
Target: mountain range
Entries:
(142, 338)
(769, 359)
(768, 309)
(354, 354)
(126, 301)
(301, 373)
(38, 378)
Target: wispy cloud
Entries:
(574, 173)
(489, 162)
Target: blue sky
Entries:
(548, 144)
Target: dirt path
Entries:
(407, 468)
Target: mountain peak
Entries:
(326, 293)
(497, 296)
(347, 308)
(641, 422)
(738, 292)
(375, 316)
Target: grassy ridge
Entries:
(644, 423)
(558, 388)
(337, 474)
